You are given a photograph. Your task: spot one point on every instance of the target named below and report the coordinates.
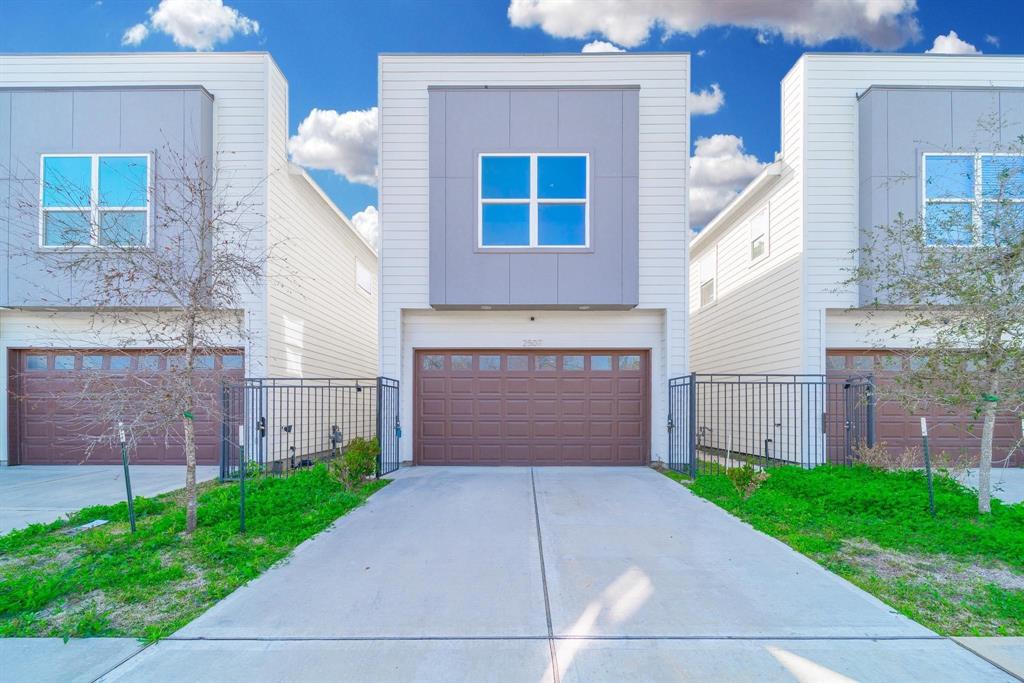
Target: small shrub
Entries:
(746, 479)
(358, 462)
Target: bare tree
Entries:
(173, 277)
(956, 278)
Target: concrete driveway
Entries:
(549, 574)
(43, 493)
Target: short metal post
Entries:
(241, 478)
(127, 475)
(871, 411)
(379, 425)
(692, 427)
(928, 466)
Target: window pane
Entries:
(600, 362)
(917, 363)
(490, 363)
(123, 181)
(629, 362)
(757, 248)
(66, 228)
(562, 177)
(505, 177)
(547, 363)
(462, 362)
(35, 362)
(204, 362)
(123, 227)
(120, 362)
(1001, 221)
(231, 362)
(561, 225)
(64, 363)
(572, 362)
(432, 362)
(949, 176)
(92, 362)
(948, 224)
(149, 363)
(1002, 176)
(863, 362)
(837, 362)
(517, 362)
(67, 181)
(707, 292)
(892, 363)
(506, 225)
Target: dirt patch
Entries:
(920, 568)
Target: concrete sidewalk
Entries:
(31, 494)
(549, 574)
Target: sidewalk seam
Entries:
(977, 654)
(556, 676)
(123, 661)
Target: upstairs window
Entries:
(759, 235)
(967, 197)
(90, 200)
(365, 278)
(534, 201)
(707, 280)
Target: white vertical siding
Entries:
(664, 145)
(831, 181)
(319, 322)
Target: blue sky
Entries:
(328, 51)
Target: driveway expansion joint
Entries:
(544, 582)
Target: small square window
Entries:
(948, 177)
(517, 362)
(432, 362)
(547, 362)
(629, 362)
(66, 228)
(121, 363)
(203, 362)
(149, 363)
(63, 362)
(836, 362)
(891, 363)
(561, 225)
(490, 363)
(601, 363)
(949, 224)
(505, 177)
(231, 361)
(572, 362)
(707, 292)
(757, 248)
(175, 363)
(123, 228)
(92, 362)
(506, 225)
(917, 363)
(462, 362)
(863, 362)
(35, 363)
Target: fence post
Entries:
(692, 425)
(380, 434)
(871, 410)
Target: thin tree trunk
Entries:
(190, 471)
(988, 431)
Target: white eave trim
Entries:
(765, 179)
(296, 170)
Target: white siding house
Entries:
(646, 313)
(313, 317)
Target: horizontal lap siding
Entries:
(832, 85)
(664, 141)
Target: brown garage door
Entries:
(50, 412)
(516, 407)
(949, 431)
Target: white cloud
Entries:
(367, 224)
(951, 44)
(707, 101)
(601, 46)
(344, 143)
(701, 52)
(719, 169)
(196, 24)
(135, 35)
(883, 24)
(992, 40)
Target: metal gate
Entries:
(276, 426)
(719, 421)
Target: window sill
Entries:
(534, 250)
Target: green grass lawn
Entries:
(959, 573)
(110, 582)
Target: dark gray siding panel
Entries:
(898, 125)
(465, 122)
(175, 125)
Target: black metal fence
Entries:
(276, 426)
(717, 422)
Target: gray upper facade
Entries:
(597, 121)
(900, 125)
(171, 127)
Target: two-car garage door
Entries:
(531, 407)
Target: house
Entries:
(861, 137)
(315, 315)
(533, 253)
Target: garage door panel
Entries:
(515, 407)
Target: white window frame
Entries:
(707, 263)
(94, 208)
(534, 202)
(360, 268)
(756, 232)
(976, 202)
